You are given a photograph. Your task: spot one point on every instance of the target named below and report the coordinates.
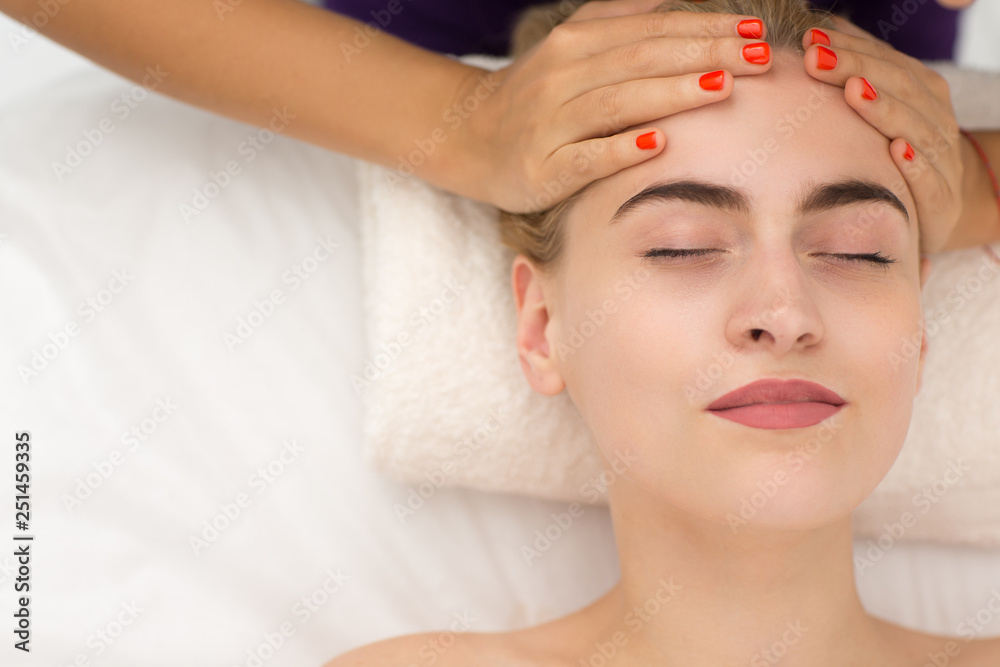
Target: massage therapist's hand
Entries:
(911, 105)
(551, 125)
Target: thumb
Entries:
(611, 8)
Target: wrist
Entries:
(980, 219)
(458, 164)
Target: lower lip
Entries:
(779, 415)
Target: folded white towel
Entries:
(446, 403)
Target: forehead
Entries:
(777, 132)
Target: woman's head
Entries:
(539, 235)
(774, 184)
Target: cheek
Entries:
(877, 333)
(626, 354)
(881, 354)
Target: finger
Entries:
(838, 65)
(608, 110)
(855, 42)
(931, 194)
(583, 39)
(894, 118)
(663, 57)
(838, 41)
(588, 161)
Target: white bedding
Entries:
(317, 561)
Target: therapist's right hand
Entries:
(554, 119)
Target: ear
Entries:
(925, 270)
(533, 317)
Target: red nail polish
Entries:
(646, 141)
(758, 53)
(750, 28)
(818, 37)
(908, 153)
(712, 80)
(825, 58)
(867, 91)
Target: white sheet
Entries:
(121, 562)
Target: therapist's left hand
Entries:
(911, 105)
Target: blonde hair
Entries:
(539, 235)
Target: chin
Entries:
(791, 509)
(791, 489)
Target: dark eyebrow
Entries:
(843, 193)
(697, 192)
(821, 198)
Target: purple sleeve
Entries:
(920, 28)
(445, 26)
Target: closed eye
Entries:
(678, 252)
(875, 258)
(872, 258)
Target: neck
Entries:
(693, 592)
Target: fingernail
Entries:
(825, 58)
(758, 53)
(867, 91)
(712, 80)
(908, 153)
(750, 28)
(646, 141)
(818, 37)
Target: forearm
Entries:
(369, 100)
(980, 221)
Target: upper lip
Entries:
(777, 391)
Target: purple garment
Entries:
(920, 28)
(445, 26)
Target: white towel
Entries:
(446, 403)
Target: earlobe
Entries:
(925, 270)
(533, 318)
(922, 357)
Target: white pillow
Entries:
(446, 404)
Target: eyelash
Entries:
(875, 258)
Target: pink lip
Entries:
(775, 404)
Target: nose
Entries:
(774, 308)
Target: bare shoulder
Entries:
(961, 652)
(930, 649)
(444, 649)
(378, 653)
(977, 653)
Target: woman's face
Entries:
(775, 181)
